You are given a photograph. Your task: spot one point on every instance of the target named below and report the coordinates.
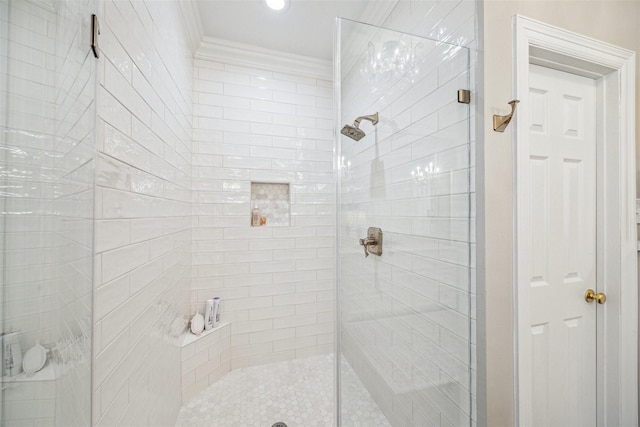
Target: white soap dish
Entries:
(34, 359)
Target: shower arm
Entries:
(373, 118)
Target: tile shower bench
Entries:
(205, 358)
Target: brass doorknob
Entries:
(590, 296)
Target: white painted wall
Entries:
(613, 21)
(256, 123)
(142, 211)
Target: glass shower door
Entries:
(47, 149)
(404, 316)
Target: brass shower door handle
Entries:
(590, 296)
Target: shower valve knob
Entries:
(373, 243)
(365, 243)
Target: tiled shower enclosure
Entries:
(127, 187)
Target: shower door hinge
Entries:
(464, 96)
(95, 31)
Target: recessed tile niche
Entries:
(273, 201)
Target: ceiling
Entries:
(304, 28)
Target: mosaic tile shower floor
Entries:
(298, 393)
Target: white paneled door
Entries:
(562, 213)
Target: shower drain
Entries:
(279, 424)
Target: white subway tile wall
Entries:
(142, 211)
(276, 282)
(29, 403)
(406, 317)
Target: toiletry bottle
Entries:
(7, 359)
(216, 311)
(2, 335)
(209, 315)
(255, 216)
(12, 357)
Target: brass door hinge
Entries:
(464, 96)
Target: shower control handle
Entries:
(365, 244)
(372, 244)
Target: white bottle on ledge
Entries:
(12, 354)
(209, 315)
(216, 311)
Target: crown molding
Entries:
(192, 23)
(246, 55)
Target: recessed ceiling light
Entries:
(276, 4)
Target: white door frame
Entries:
(613, 68)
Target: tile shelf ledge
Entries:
(190, 338)
(45, 374)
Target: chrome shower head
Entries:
(354, 132)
